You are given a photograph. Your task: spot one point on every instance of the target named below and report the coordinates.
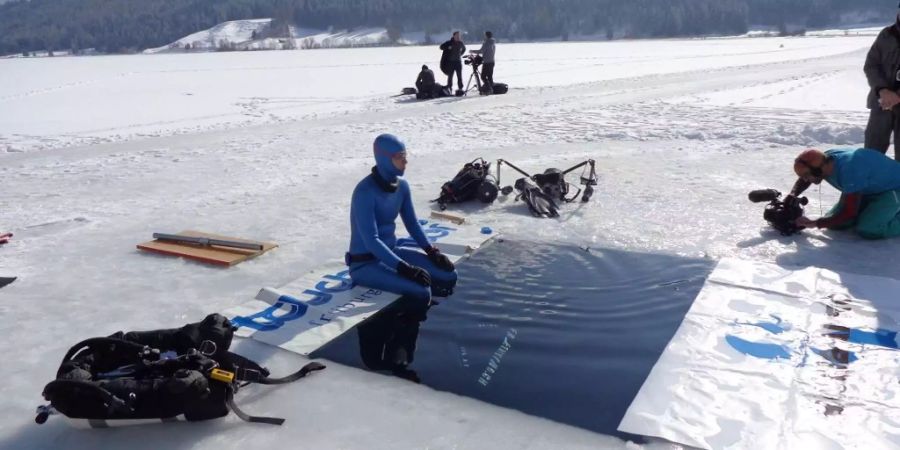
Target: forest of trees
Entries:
(129, 25)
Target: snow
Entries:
(233, 31)
(848, 30)
(826, 89)
(80, 101)
(309, 38)
(240, 32)
(101, 152)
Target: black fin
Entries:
(539, 203)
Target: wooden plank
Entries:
(213, 254)
(459, 220)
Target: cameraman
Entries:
(487, 51)
(451, 59)
(882, 70)
(869, 183)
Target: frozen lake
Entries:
(97, 153)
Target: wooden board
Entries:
(457, 219)
(211, 254)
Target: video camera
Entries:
(473, 60)
(781, 215)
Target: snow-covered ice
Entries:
(97, 153)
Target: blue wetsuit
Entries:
(374, 255)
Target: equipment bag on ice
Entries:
(496, 88)
(473, 180)
(184, 373)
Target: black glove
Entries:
(417, 274)
(439, 259)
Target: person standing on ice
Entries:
(882, 70)
(487, 51)
(375, 259)
(869, 183)
(451, 59)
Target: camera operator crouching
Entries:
(869, 183)
(487, 51)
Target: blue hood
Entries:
(385, 147)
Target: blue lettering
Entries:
(266, 320)
(434, 232)
(343, 275)
(343, 285)
(880, 337)
(318, 298)
(435, 226)
(774, 328)
(757, 349)
(323, 291)
(836, 356)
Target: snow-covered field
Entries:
(98, 153)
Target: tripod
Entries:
(477, 76)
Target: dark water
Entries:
(557, 332)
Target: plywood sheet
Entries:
(211, 254)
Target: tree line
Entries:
(112, 26)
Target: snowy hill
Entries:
(241, 35)
(234, 31)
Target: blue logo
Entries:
(837, 359)
(764, 350)
(323, 292)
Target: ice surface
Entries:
(97, 153)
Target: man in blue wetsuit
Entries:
(869, 183)
(374, 258)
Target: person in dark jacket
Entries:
(882, 70)
(451, 59)
(487, 51)
(425, 84)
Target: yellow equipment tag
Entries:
(222, 375)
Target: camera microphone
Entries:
(763, 195)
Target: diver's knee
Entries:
(420, 293)
(444, 276)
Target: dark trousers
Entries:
(427, 90)
(878, 131)
(487, 76)
(455, 67)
